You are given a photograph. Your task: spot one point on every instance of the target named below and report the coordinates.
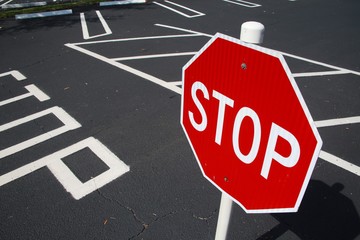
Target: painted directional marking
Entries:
(16, 74)
(65, 176)
(69, 124)
(32, 91)
(196, 13)
(85, 29)
(176, 86)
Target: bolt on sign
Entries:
(248, 125)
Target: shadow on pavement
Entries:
(324, 213)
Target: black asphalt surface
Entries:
(164, 195)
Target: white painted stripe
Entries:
(320, 63)
(23, 5)
(243, 3)
(198, 14)
(43, 14)
(69, 124)
(154, 56)
(124, 2)
(6, 3)
(15, 99)
(136, 39)
(314, 74)
(177, 83)
(183, 29)
(85, 29)
(189, 9)
(337, 121)
(104, 23)
(33, 91)
(340, 162)
(127, 68)
(16, 74)
(65, 176)
(40, 95)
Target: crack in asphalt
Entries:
(146, 226)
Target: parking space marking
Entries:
(133, 39)
(197, 13)
(69, 124)
(154, 56)
(337, 121)
(340, 162)
(32, 91)
(320, 63)
(16, 74)
(183, 29)
(176, 85)
(314, 74)
(65, 176)
(243, 3)
(85, 29)
(127, 68)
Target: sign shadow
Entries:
(324, 213)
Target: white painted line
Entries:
(6, 3)
(33, 91)
(337, 121)
(69, 124)
(340, 162)
(66, 177)
(154, 56)
(16, 74)
(136, 39)
(320, 63)
(183, 30)
(243, 3)
(127, 68)
(177, 83)
(40, 95)
(103, 22)
(124, 2)
(314, 74)
(15, 99)
(23, 5)
(85, 28)
(197, 13)
(43, 14)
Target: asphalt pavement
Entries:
(91, 144)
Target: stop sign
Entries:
(248, 125)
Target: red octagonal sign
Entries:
(248, 125)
